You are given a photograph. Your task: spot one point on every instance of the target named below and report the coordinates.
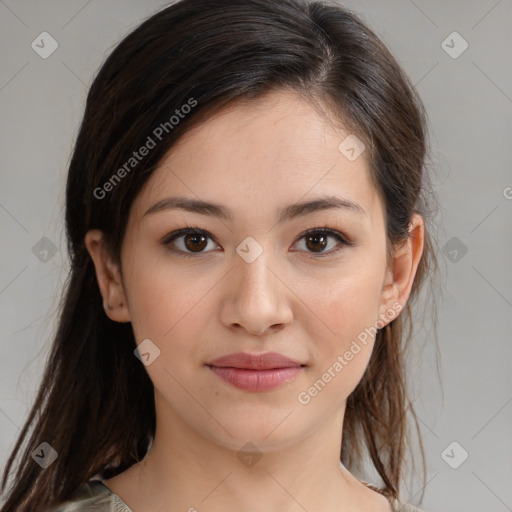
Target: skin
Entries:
(255, 159)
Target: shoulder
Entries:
(399, 506)
(92, 496)
(396, 504)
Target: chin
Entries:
(259, 432)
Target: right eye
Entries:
(189, 241)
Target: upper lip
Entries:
(244, 360)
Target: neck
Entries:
(185, 470)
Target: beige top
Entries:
(95, 495)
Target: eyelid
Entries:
(329, 231)
(187, 230)
(342, 239)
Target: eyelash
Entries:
(197, 230)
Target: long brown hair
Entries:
(95, 405)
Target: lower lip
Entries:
(256, 380)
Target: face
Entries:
(307, 283)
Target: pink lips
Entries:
(260, 372)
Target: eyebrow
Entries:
(287, 213)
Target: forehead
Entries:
(261, 153)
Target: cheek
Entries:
(344, 342)
(169, 307)
(344, 303)
(163, 299)
(353, 307)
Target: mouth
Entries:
(256, 372)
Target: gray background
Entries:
(469, 101)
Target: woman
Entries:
(247, 228)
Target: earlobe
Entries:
(108, 276)
(400, 279)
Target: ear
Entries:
(401, 272)
(109, 277)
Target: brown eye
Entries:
(195, 242)
(188, 241)
(317, 242)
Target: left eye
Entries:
(190, 241)
(317, 239)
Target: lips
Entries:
(256, 372)
(266, 361)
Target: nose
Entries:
(258, 298)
